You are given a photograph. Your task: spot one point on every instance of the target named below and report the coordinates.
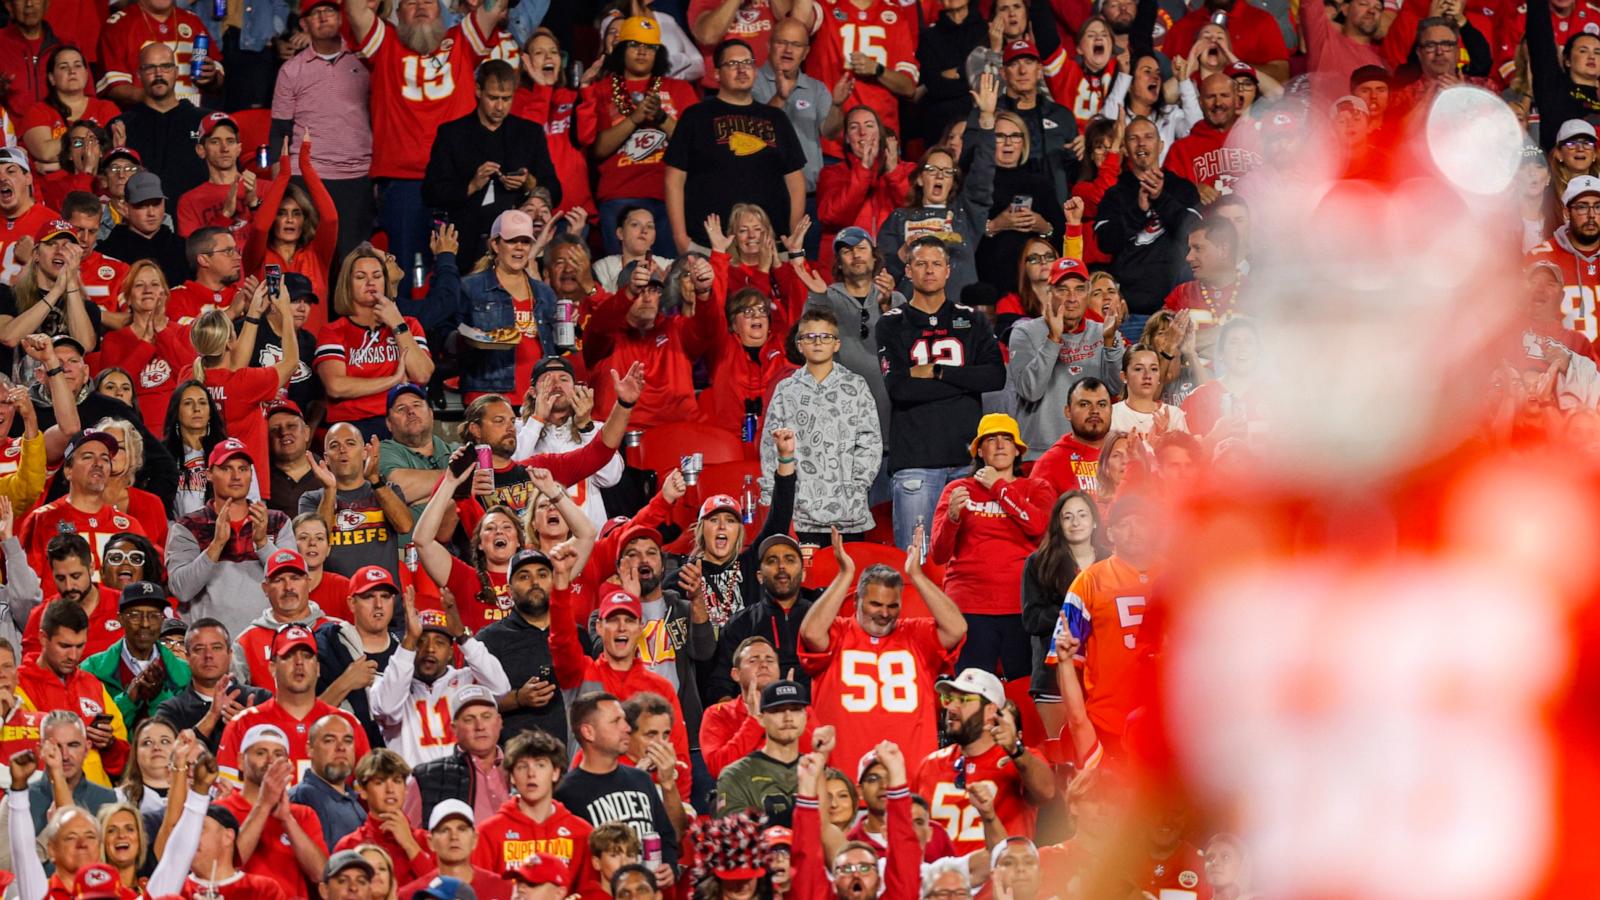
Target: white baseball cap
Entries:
(1577, 187)
(448, 808)
(1572, 128)
(975, 681)
(260, 733)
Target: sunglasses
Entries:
(118, 557)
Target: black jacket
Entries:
(446, 778)
(165, 248)
(165, 144)
(932, 420)
(187, 708)
(524, 651)
(459, 148)
(1554, 93)
(768, 619)
(1147, 247)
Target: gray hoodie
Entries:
(241, 666)
(1042, 372)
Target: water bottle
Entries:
(419, 273)
(575, 75)
(197, 58)
(747, 504)
(566, 324)
(263, 158)
(747, 432)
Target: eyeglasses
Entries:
(1585, 209)
(1033, 259)
(854, 868)
(158, 67)
(225, 251)
(946, 171)
(1007, 137)
(1437, 46)
(142, 615)
(118, 557)
(122, 168)
(738, 64)
(79, 143)
(1578, 142)
(872, 778)
(949, 699)
(753, 312)
(817, 337)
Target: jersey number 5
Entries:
(865, 40)
(1130, 613)
(886, 680)
(961, 821)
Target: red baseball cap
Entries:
(281, 405)
(369, 578)
(97, 882)
(55, 228)
(1241, 69)
(1067, 267)
(1019, 49)
(717, 503)
(540, 869)
(291, 637)
(307, 6)
(619, 601)
(217, 120)
(633, 533)
(285, 561)
(226, 450)
(777, 836)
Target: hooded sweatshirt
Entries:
(507, 838)
(252, 649)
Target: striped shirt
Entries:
(328, 97)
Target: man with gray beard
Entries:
(538, 646)
(332, 748)
(422, 77)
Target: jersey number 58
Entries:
(887, 680)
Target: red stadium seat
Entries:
(727, 478)
(882, 524)
(823, 568)
(255, 127)
(1032, 726)
(664, 444)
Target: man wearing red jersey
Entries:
(619, 670)
(873, 40)
(1205, 156)
(229, 191)
(1174, 867)
(20, 216)
(288, 847)
(100, 275)
(984, 746)
(214, 876)
(421, 78)
(533, 824)
(214, 258)
(874, 674)
(293, 708)
(288, 603)
(155, 22)
(1073, 462)
(83, 509)
(72, 577)
(54, 681)
(1575, 249)
(1212, 297)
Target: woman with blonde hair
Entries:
(124, 841)
(1024, 204)
(49, 297)
(372, 349)
(154, 349)
(750, 249)
(383, 883)
(142, 505)
(240, 389)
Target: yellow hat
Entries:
(998, 423)
(640, 29)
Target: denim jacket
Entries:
(262, 21)
(487, 306)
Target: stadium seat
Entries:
(1032, 726)
(255, 127)
(823, 568)
(664, 445)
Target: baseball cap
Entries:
(1021, 48)
(719, 503)
(852, 236)
(257, 734)
(867, 761)
(298, 287)
(227, 449)
(625, 277)
(217, 120)
(619, 601)
(285, 560)
(1369, 74)
(292, 637)
(127, 153)
(975, 681)
(443, 887)
(434, 620)
(1130, 504)
(1350, 101)
(553, 364)
(92, 435)
(171, 626)
(284, 405)
(997, 423)
(529, 557)
(1548, 266)
(448, 809)
(776, 540)
(781, 694)
(633, 533)
(16, 156)
(471, 695)
(97, 882)
(1576, 128)
(540, 869)
(307, 6)
(142, 593)
(143, 187)
(1068, 267)
(400, 390)
(512, 225)
(640, 29)
(345, 859)
(369, 578)
(53, 229)
(777, 836)
(67, 340)
(1241, 69)
(222, 816)
(1577, 187)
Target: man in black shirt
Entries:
(144, 234)
(162, 128)
(601, 790)
(212, 698)
(522, 644)
(487, 162)
(305, 389)
(730, 149)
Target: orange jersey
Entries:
(935, 780)
(1113, 596)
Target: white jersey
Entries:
(534, 436)
(415, 717)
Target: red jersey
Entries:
(1181, 876)
(1082, 92)
(79, 22)
(11, 456)
(187, 301)
(28, 224)
(636, 168)
(1579, 277)
(464, 584)
(203, 206)
(298, 731)
(102, 281)
(507, 838)
(156, 366)
(869, 688)
(1069, 465)
(406, 869)
(59, 516)
(366, 353)
(1207, 305)
(935, 779)
(556, 108)
(885, 31)
(413, 94)
(128, 30)
(242, 886)
(332, 593)
(987, 546)
(274, 856)
(105, 628)
(19, 731)
(239, 394)
(1205, 156)
(1253, 34)
(254, 646)
(1113, 596)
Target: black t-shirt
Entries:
(17, 363)
(304, 387)
(734, 154)
(624, 794)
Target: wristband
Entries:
(1017, 750)
(51, 373)
(255, 320)
(786, 460)
(625, 404)
(1167, 356)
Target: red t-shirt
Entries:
(105, 628)
(887, 33)
(405, 868)
(366, 353)
(57, 516)
(870, 688)
(935, 780)
(157, 367)
(202, 206)
(556, 109)
(635, 170)
(43, 115)
(274, 856)
(268, 712)
(464, 584)
(187, 301)
(332, 593)
(27, 224)
(413, 94)
(752, 23)
(1253, 33)
(507, 838)
(242, 886)
(128, 30)
(239, 394)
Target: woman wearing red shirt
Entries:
(69, 100)
(747, 363)
(984, 528)
(239, 389)
(296, 229)
(120, 492)
(1102, 137)
(542, 98)
(866, 186)
(154, 350)
(747, 256)
(371, 349)
(80, 161)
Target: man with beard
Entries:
(731, 729)
(420, 682)
(138, 671)
(288, 845)
(213, 255)
(365, 513)
(412, 458)
(161, 127)
(622, 669)
(1143, 223)
(1204, 156)
(765, 779)
(1253, 34)
(556, 418)
(1575, 249)
(419, 76)
(1073, 462)
(775, 616)
(862, 288)
(84, 509)
(873, 673)
(676, 632)
(53, 680)
(1440, 43)
(72, 578)
(537, 660)
(288, 447)
(325, 788)
(982, 743)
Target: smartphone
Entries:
(545, 674)
(1022, 203)
(461, 463)
(103, 721)
(274, 280)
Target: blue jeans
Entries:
(611, 210)
(1133, 326)
(916, 495)
(405, 219)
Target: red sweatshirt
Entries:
(849, 193)
(902, 876)
(1068, 465)
(739, 377)
(507, 838)
(406, 869)
(728, 732)
(83, 694)
(984, 550)
(1092, 192)
(600, 675)
(668, 351)
(1205, 157)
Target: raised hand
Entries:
(323, 473)
(784, 440)
(23, 764)
(629, 387)
(824, 740)
(840, 556)
(674, 487)
(795, 240)
(719, 240)
(1073, 211)
(445, 239)
(987, 95)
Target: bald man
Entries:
(1206, 156)
(365, 514)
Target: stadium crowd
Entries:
(690, 448)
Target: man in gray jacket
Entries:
(1049, 354)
